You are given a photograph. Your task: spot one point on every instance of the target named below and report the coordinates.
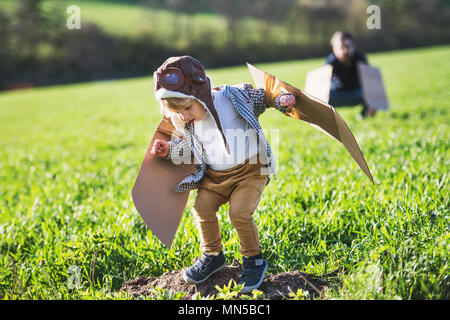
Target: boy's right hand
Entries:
(160, 148)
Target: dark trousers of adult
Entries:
(347, 98)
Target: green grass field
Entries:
(70, 155)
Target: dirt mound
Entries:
(274, 286)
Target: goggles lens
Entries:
(171, 78)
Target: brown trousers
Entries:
(242, 187)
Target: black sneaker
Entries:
(253, 271)
(204, 267)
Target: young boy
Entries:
(233, 159)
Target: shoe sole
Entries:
(256, 286)
(189, 280)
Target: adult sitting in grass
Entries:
(345, 89)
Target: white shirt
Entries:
(241, 137)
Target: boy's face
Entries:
(193, 112)
(344, 49)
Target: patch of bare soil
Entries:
(274, 286)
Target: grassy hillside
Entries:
(132, 19)
(70, 155)
(127, 19)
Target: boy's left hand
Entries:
(287, 101)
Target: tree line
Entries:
(37, 48)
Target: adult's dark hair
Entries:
(341, 35)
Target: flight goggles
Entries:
(173, 78)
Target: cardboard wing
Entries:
(318, 82)
(312, 110)
(372, 86)
(153, 192)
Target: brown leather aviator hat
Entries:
(185, 77)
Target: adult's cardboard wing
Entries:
(318, 82)
(372, 86)
(153, 192)
(312, 110)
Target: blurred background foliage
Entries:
(131, 38)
